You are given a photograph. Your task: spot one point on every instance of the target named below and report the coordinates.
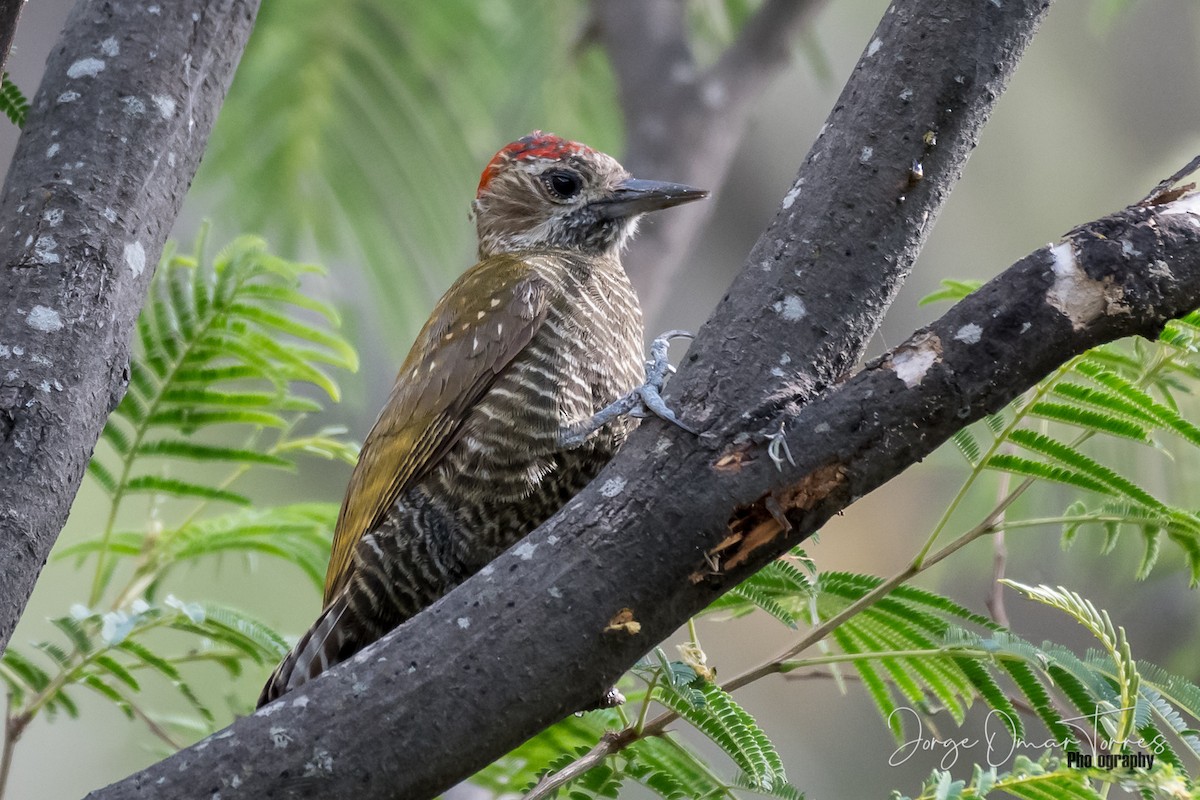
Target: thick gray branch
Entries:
(110, 146)
(684, 122)
(525, 641)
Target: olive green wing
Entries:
(485, 319)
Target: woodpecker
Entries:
(506, 406)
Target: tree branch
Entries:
(686, 123)
(462, 675)
(675, 520)
(10, 12)
(112, 140)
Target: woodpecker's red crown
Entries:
(536, 145)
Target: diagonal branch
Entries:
(675, 520)
(525, 641)
(112, 140)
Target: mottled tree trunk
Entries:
(108, 151)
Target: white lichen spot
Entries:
(463, 622)
(5, 352)
(321, 764)
(17, 350)
(135, 257)
(785, 359)
(997, 3)
(85, 68)
(1026, 326)
(44, 249)
(613, 487)
(969, 334)
(1077, 296)
(44, 319)
(134, 107)
(554, 592)
(36, 358)
(300, 702)
(906, 94)
(155, 10)
(52, 150)
(1160, 269)
(12, 375)
(68, 97)
(777, 372)
(110, 47)
(53, 217)
(914, 359)
(45, 386)
(874, 46)
(822, 427)
(171, 159)
(793, 193)
(791, 308)
(280, 737)
(487, 570)
(109, 214)
(866, 155)
(525, 550)
(1128, 249)
(165, 105)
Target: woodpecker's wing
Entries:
(488, 316)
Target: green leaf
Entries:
(728, 725)
(1096, 421)
(951, 290)
(967, 445)
(153, 484)
(12, 101)
(195, 451)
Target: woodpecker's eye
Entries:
(563, 183)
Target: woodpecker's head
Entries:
(543, 191)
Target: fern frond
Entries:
(728, 725)
(12, 102)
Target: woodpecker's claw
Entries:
(643, 401)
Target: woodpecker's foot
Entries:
(644, 401)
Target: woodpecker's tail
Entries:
(325, 644)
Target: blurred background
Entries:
(353, 138)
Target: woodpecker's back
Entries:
(467, 454)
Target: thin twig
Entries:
(1167, 183)
(611, 742)
(995, 600)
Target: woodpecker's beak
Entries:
(637, 197)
